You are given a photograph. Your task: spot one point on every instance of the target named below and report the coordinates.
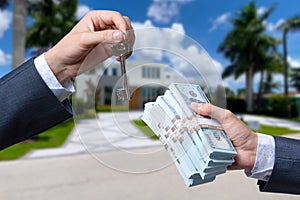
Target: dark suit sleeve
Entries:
(285, 177)
(27, 105)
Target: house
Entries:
(146, 81)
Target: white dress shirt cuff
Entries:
(265, 158)
(61, 91)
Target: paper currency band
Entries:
(198, 127)
(176, 119)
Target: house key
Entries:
(121, 49)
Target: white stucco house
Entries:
(146, 81)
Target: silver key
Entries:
(121, 49)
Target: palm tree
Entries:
(245, 45)
(19, 32)
(19, 29)
(270, 62)
(52, 20)
(269, 84)
(295, 78)
(291, 24)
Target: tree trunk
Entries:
(286, 69)
(285, 64)
(249, 90)
(19, 32)
(260, 90)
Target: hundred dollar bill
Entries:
(161, 125)
(178, 161)
(193, 128)
(178, 137)
(169, 96)
(209, 130)
(186, 94)
(171, 106)
(196, 153)
(167, 135)
(198, 146)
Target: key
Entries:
(121, 49)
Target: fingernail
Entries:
(117, 35)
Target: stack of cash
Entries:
(198, 146)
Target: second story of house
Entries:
(139, 73)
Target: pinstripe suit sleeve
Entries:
(27, 105)
(285, 177)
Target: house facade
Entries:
(146, 81)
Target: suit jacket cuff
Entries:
(61, 91)
(285, 177)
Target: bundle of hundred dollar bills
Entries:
(199, 147)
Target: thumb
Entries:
(209, 110)
(107, 36)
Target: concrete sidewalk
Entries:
(82, 176)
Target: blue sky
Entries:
(207, 22)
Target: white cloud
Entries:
(222, 19)
(165, 10)
(273, 26)
(295, 63)
(5, 21)
(146, 24)
(178, 27)
(5, 59)
(261, 10)
(170, 46)
(82, 10)
(235, 84)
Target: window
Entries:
(148, 72)
(157, 73)
(151, 72)
(107, 95)
(151, 93)
(144, 72)
(105, 72)
(114, 71)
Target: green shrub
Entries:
(282, 106)
(236, 105)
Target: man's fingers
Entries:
(94, 38)
(128, 22)
(103, 19)
(209, 110)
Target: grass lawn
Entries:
(274, 130)
(269, 130)
(144, 128)
(53, 137)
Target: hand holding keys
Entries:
(122, 50)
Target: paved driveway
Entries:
(81, 177)
(101, 161)
(107, 132)
(114, 131)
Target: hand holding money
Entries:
(244, 140)
(199, 147)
